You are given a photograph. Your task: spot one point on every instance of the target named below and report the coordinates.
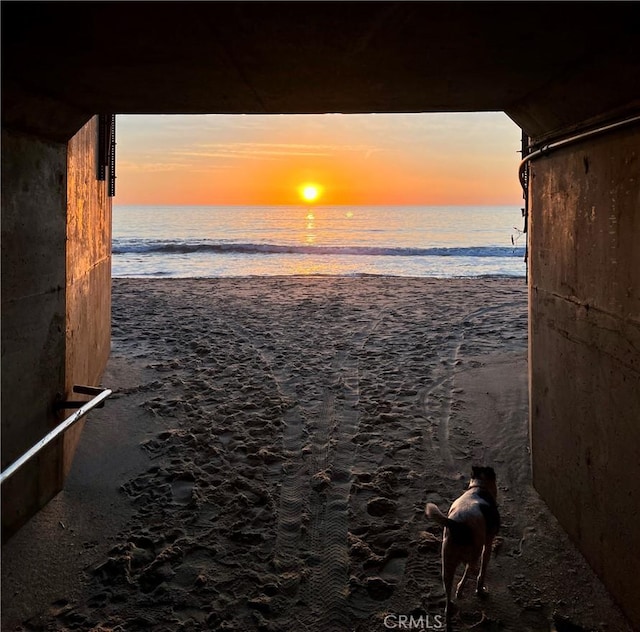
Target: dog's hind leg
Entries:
(486, 556)
(462, 582)
(448, 572)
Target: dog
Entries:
(469, 529)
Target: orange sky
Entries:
(393, 159)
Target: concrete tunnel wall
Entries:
(88, 274)
(56, 289)
(33, 315)
(584, 353)
(584, 329)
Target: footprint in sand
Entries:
(182, 490)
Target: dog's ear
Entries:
(490, 473)
(487, 473)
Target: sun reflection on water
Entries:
(310, 236)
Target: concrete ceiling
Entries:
(549, 65)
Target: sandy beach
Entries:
(267, 454)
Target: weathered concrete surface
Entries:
(297, 57)
(585, 350)
(33, 315)
(56, 293)
(88, 273)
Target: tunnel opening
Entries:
(409, 195)
(64, 62)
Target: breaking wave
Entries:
(185, 248)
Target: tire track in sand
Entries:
(318, 484)
(334, 452)
(436, 400)
(294, 491)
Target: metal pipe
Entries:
(58, 430)
(571, 139)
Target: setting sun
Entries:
(310, 192)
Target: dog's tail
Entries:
(435, 514)
(460, 532)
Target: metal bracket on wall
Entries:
(100, 394)
(112, 157)
(82, 390)
(107, 150)
(524, 182)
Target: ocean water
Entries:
(232, 241)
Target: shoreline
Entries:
(357, 275)
(266, 457)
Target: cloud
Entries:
(153, 166)
(270, 150)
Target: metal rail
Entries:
(100, 395)
(545, 149)
(530, 153)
